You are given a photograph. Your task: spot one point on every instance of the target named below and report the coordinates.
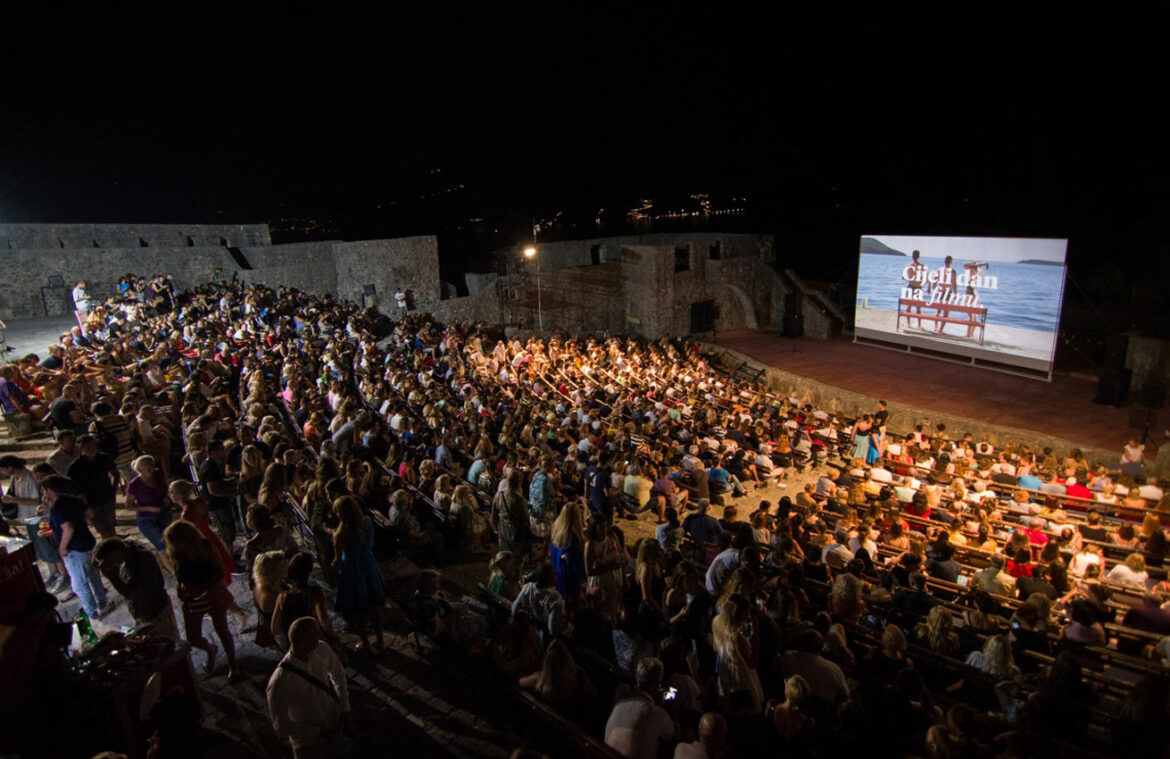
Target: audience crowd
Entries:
(925, 593)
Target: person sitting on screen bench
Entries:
(973, 276)
(946, 285)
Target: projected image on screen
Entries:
(991, 298)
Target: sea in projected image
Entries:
(1028, 295)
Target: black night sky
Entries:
(472, 123)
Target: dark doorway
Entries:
(703, 315)
(595, 255)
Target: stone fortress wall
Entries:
(45, 261)
(642, 284)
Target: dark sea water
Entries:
(1028, 296)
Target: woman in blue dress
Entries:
(567, 551)
(360, 592)
(875, 445)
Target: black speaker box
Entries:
(1113, 387)
(793, 325)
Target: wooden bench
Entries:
(976, 316)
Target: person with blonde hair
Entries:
(937, 631)
(794, 727)
(559, 680)
(845, 599)
(267, 577)
(739, 684)
(147, 496)
(251, 474)
(464, 522)
(567, 550)
(154, 438)
(1131, 572)
(199, 574)
(995, 658)
(443, 493)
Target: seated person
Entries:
(447, 620)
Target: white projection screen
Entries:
(991, 301)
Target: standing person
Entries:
(134, 572)
(510, 513)
(861, 437)
(301, 597)
(114, 436)
(881, 417)
(731, 633)
(400, 300)
(22, 501)
(874, 452)
(915, 275)
(220, 492)
(81, 303)
(147, 497)
(65, 453)
(360, 592)
(201, 591)
(308, 696)
(605, 564)
(193, 509)
(98, 479)
(567, 551)
(75, 543)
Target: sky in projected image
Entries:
(1006, 249)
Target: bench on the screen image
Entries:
(975, 317)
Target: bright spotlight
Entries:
(529, 252)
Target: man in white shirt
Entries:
(724, 563)
(637, 723)
(81, 300)
(308, 696)
(837, 553)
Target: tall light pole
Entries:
(530, 253)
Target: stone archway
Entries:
(733, 299)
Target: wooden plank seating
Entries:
(975, 319)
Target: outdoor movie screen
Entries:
(991, 298)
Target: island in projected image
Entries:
(992, 298)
